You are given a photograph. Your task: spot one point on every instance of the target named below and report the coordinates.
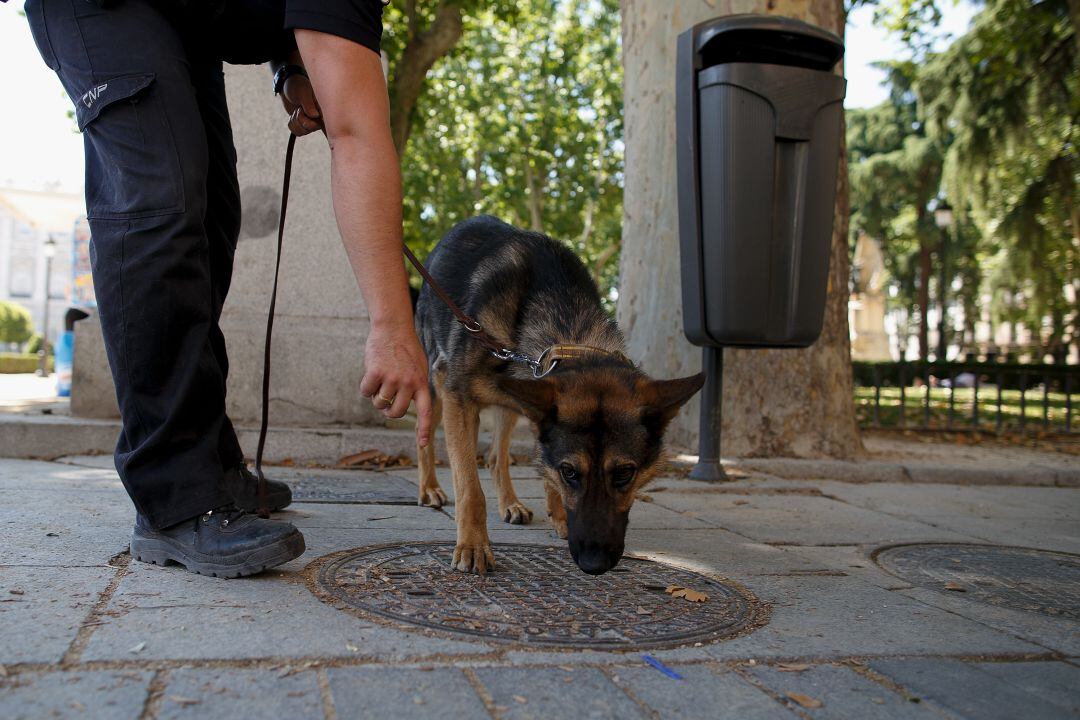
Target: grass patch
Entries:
(1013, 405)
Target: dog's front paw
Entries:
(517, 514)
(432, 497)
(560, 527)
(474, 557)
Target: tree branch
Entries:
(421, 52)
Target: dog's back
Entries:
(527, 290)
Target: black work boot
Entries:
(226, 542)
(243, 486)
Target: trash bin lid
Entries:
(770, 39)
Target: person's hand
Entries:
(305, 115)
(395, 373)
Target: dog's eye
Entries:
(622, 475)
(569, 474)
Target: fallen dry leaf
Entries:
(792, 667)
(180, 700)
(358, 458)
(520, 699)
(688, 594)
(805, 700)
(138, 648)
(955, 587)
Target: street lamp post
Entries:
(49, 251)
(943, 218)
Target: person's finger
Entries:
(423, 415)
(296, 125)
(402, 398)
(370, 383)
(310, 105)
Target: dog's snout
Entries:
(596, 559)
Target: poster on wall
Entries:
(82, 284)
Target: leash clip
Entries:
(538, 364)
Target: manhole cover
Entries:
(536, 596)
(368, 489)
(1019, 578)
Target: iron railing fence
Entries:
(998, 397)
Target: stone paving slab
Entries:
(556, 694)
(63, 527)
(837, 617)
(1057, 682)
(379, 693)
(1054, 634)
(365, 517)
(1060, 535)
(801, 520)
(171, 614)
(703, 693)
(42, 609)
(985, 502)
(842, 692)
(228, 694)
(1058, 634)
(964, 690)
(225, 643)
(115, 695)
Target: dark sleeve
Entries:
(356, 20)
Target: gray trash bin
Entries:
(759, 113)
(758, 130)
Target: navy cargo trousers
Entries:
(163, 204)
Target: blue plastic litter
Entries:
(662, 667)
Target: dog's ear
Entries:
(534, 398)
(667, 396)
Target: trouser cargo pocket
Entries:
(132, 169)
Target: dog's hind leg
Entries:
(511, 510)
(461, 420)
(431, 494)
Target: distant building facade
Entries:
(28, 219)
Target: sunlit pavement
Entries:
(87, 632)
(17, 389)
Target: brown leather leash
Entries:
(541, 366)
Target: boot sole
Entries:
(157, 551)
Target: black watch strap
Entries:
(284, 73)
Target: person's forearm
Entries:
(366, 185)
(292, 58)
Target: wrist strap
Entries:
(284, 73)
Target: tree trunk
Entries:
(421, 51)
(925, 266)
(776, 402)
(535, 199)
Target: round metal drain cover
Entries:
(536, 596)
(1019, 578)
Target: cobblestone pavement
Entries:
(86, 632)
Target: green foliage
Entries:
(20, 363)
(895, 176)
(1007, 96)
(33, 346)
(16, 326)
(523, 120)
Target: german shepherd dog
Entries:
(599, 419)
